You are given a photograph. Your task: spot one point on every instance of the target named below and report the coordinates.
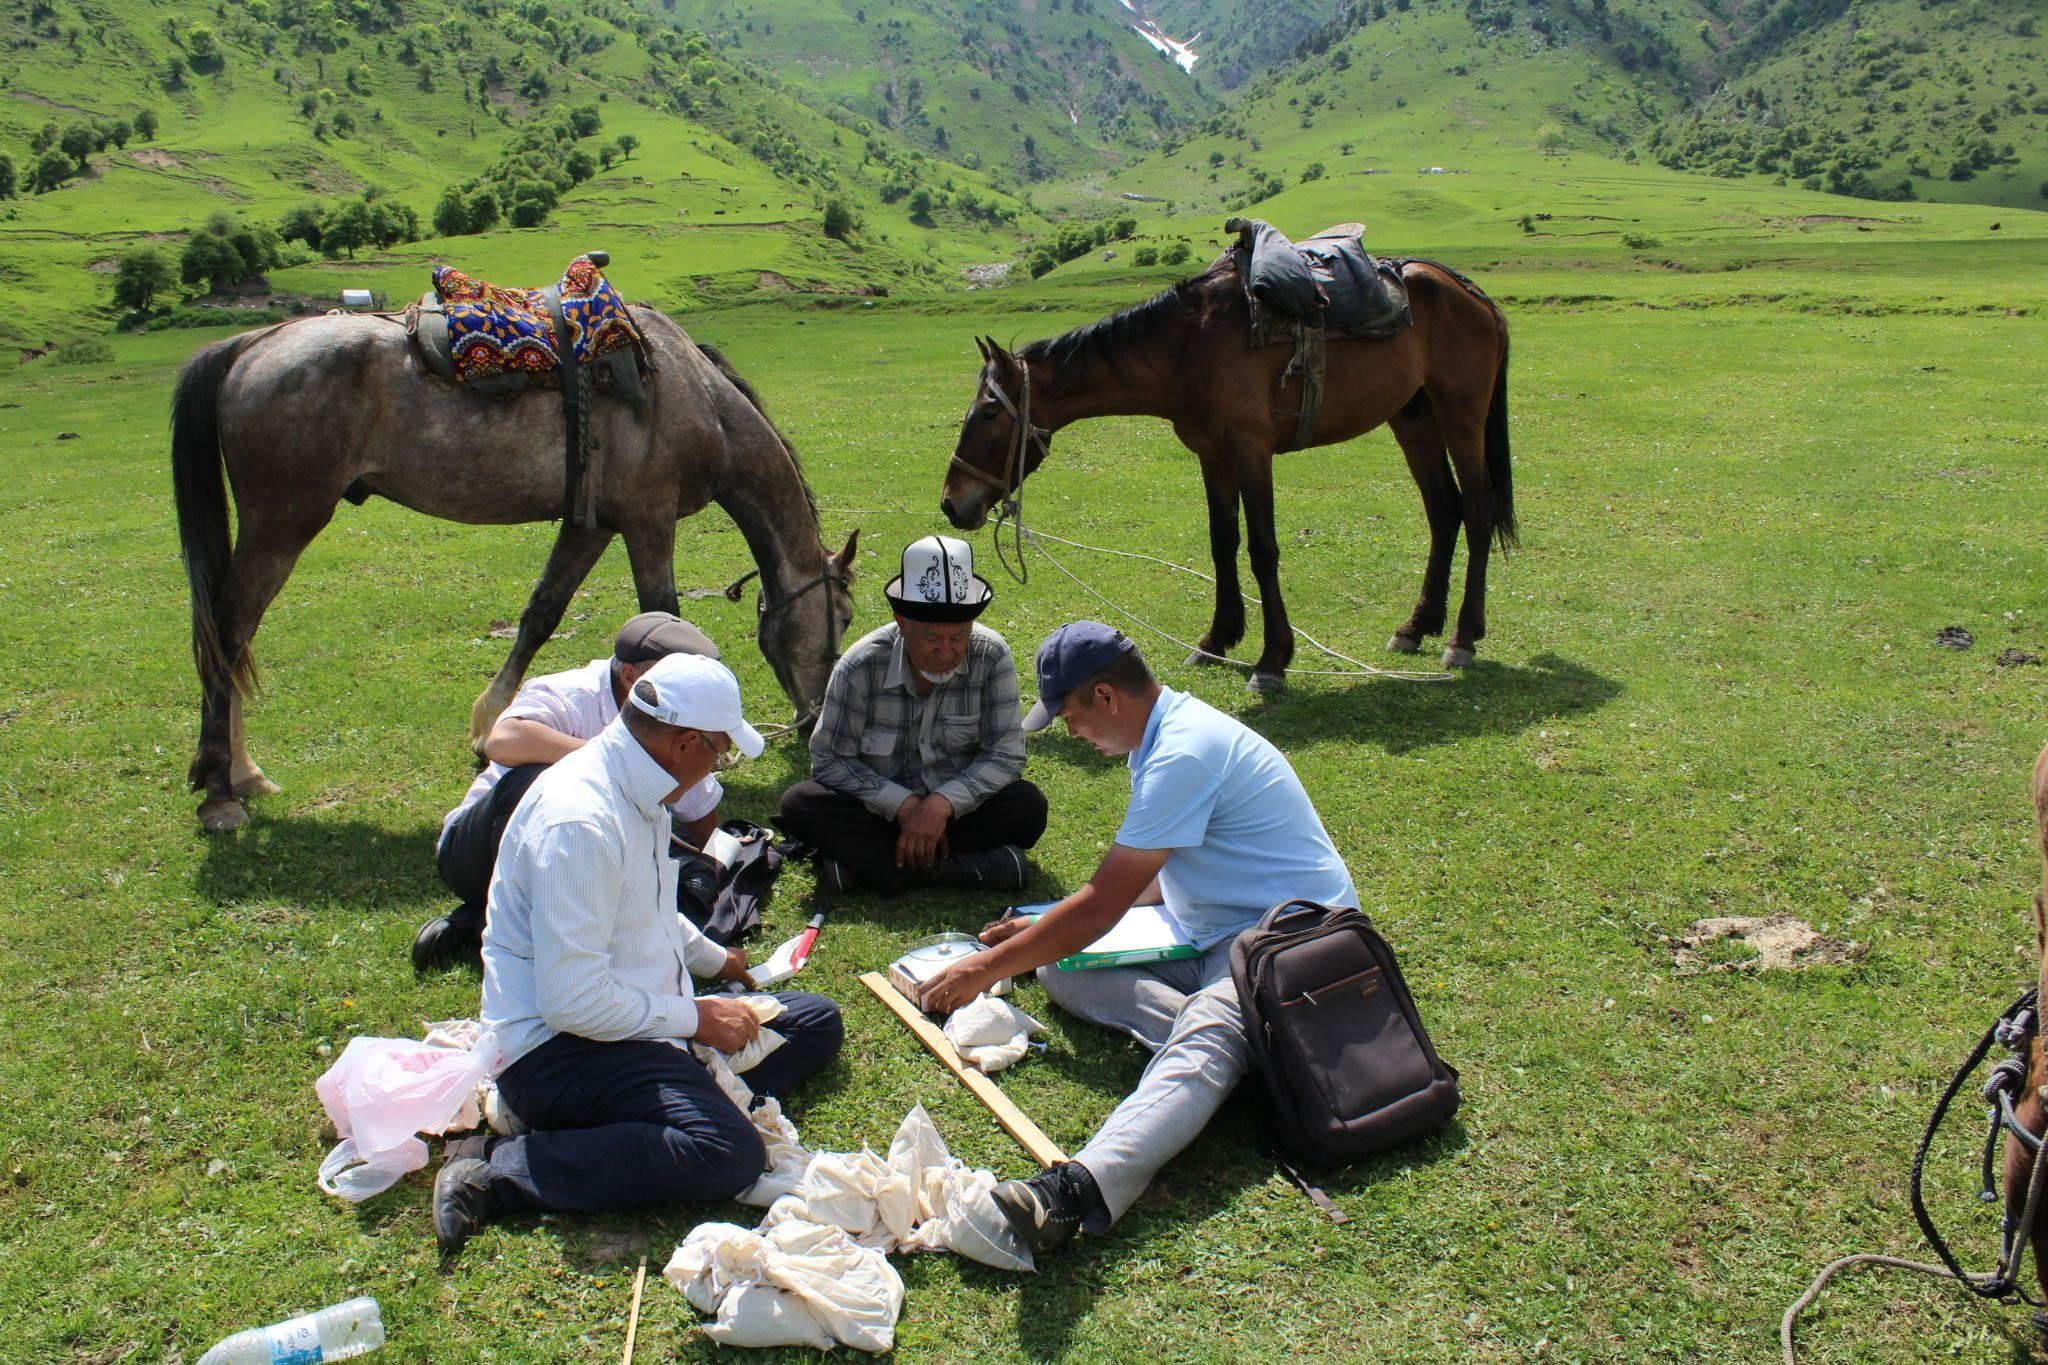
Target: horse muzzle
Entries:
(967, 513)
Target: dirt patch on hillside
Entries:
(155, 158)
(105, 266)
(1812, 218)
(773, 282)
(1776, 942)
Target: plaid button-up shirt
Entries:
(880, 742)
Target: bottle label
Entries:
(296, 1342)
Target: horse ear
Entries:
(843, 561)
(981, 344)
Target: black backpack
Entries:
(1334, 1031)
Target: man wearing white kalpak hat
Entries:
(918, 755)
(587, 982)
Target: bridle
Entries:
(1011, 487)
(766, 609)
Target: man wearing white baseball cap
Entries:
(917, 760)
(586, 987)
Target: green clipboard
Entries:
(1146, 933)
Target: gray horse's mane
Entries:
(747, 391)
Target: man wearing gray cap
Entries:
(551, 717)
(917, 760)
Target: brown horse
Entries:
(301, 415)
(2032, 1110)
(1440, 383)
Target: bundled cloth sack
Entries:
(991, 1033)
(815, 1272)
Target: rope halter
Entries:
(1010, 488)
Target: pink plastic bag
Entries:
(380, 1093)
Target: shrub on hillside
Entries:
(51, 171)
(8, 181)
(841, 222)
(225, 253)
(537, 167)
(1176, 254)
(1145, 255)
(84, 351)
(180, 319)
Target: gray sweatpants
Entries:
(1186, 1013)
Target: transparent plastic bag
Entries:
(381, 1094)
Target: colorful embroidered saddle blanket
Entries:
(494, 331)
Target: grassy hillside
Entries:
(1032, 91)
(297, 107)
(1238, 39)
(1887, 98)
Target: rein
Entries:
(1011, 488)
(768, 609)
(2015, 1029)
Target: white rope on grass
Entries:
(1358, 669)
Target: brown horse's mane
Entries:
(1108, 340)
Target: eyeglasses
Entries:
(720, 746)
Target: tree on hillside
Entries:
(141, 276)
(145, 124)
(301, 224)
(77, 143)
(202, 49)
(392, 222)
(347, 226)
(1550, 139)
(627, 144)
(840, 219)
(7, 177)
(451, 213)
(50, 172)
(224, 253)
(921, 206)
(118, 132)
(174, 73)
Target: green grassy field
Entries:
(1710, 688)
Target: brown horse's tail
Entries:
(199, 485)
(1499, 474)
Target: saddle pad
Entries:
(494, 331)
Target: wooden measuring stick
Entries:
(1014, 1120)
(633, 1321)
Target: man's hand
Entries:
(727, 1025)
(1008, 927)
(957, 985)
(736, 968)
(923, 837)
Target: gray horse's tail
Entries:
(199, 485)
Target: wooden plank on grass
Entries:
(1015, 1121)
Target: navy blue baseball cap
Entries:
(1069, 657)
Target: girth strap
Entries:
(578, 503)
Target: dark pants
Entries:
(643, 1122)
(844, 830)
(470, 849)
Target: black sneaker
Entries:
(835, 877)
(1049, 1208)
(440, 945)
(463, 1202)
(1001, 868)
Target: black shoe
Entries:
(463, 1202)
(835, 877)
(1001, 868)
(1049, 1208)
(440, 945)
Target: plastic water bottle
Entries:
(337, 1333)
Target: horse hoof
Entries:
(221, 816)
(1204, 658)
(256, 784)
(1455, 657)
(1401, 644)
(1266, 684)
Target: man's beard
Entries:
(936, 678)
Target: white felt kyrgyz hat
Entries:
(938, 583)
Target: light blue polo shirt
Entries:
(1242, 833)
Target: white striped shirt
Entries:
(582, 935)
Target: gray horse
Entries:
(300, 415)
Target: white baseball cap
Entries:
(698, 694)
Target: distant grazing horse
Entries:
(303, 414)
(1440, 383)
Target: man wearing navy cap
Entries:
(918, 755)
(1219, 830)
